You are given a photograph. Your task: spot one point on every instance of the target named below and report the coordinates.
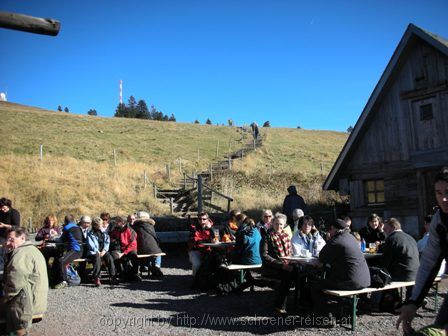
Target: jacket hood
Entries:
(143, 221)
(292, 190)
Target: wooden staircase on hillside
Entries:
(194, 195)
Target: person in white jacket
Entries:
(307, 238)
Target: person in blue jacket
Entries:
(247, 245)
(98, 242)
(71, 239)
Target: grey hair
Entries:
(280, 216)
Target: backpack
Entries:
(379, 277)
(73, 278)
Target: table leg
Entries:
(354, 304)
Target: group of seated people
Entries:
(269, 241)
(115, 243)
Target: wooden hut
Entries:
(400, 141)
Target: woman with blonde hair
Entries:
(49, 231)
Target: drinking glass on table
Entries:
(372, 247)
(215, 235)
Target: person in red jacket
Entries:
(123, 247)
(199, 233)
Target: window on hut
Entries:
(426, 112)
(374, 191)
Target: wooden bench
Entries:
(393, 285)
(241, 269)
(354, 294)
(140, 256)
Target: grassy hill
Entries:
(78, 174)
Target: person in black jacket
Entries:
(374, 231)
(148, 242)
(344, 265)
(293, 201)
(9, 220)
(401, 259)
(400, 253)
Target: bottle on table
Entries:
(363, 245)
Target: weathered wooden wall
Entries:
(395, 145)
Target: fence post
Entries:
(217, 149)
(155, 190)
(145, 179)
(30, 225)
(211, 172)
(255, 147)
(115, 157)
(228, 205)
(180, 166)
(199, 193)
(171, 206)
(185, 180)
(242, 153)
(41, 152)
(168, 171)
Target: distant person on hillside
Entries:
(255, 131)
(293, 201)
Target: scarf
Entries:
(281, 243)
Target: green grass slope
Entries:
(78, 161)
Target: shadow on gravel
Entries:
(175, 304)
(246, 312)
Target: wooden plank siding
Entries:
(393, 142)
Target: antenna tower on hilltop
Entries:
(121, 91)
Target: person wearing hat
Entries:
(297, 218)
(344, 265)
(147, 241)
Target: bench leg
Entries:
(354, 304)
(436, 298)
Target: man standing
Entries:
(293, 201)
(25, 285)
(433, 255)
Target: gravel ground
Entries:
(169, 306)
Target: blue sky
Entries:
(295, 63)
